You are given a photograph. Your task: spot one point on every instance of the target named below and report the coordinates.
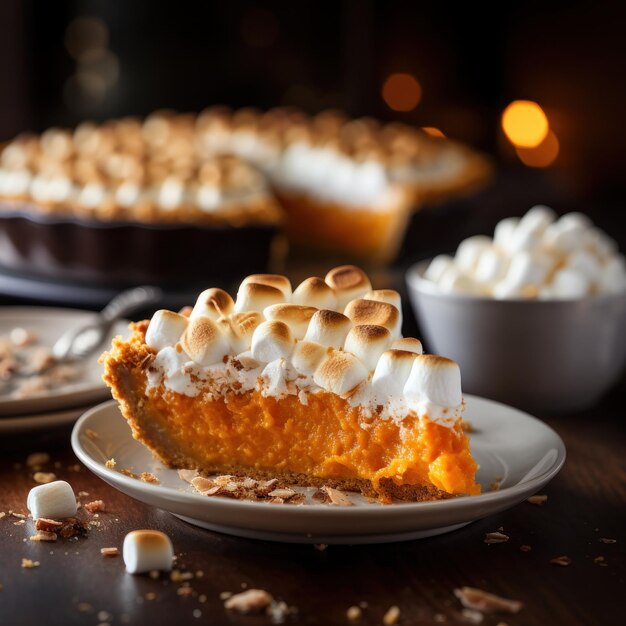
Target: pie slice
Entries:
(315, 386)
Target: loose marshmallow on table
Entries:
(55, 500)
(537, 256)
(147, 550)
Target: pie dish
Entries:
(314, 386)
(329, 182)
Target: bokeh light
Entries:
(85, 33)
(433, 132)
(542, 155)
(401, 92)
(525, 124)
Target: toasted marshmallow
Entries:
(377, 313)
(55, 500)
(437, 267)
(504, 231)
(147, 550)
(165, 329)
(468, 252)
(368, 342)
(491, 267)
(390, 296)
(257, 296)
(340, 373)
(392, 371)
(307, 355)
(434, 379)
(271, 280)
(315, 292)
(296, 316)
(203, 341)
(213, 303)
(348, 282)
(238, 329)
(569, 283)
(408, 344)
(271, 340)
(328, 328)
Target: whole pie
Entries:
(315, 386)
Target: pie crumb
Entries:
(538, 500)
(29, 563)
(95, 506)
(607, 540)
(249, 601)
(525, 548)
(496, 537)
(354, 613)
(563, 561)
(44, 535)
(37, 458)
(480, 600)
(336, 497)
(109, 551)
(110, 464)
(472, 616)
(44, 477)
(149, 477)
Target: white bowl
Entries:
(540, 355)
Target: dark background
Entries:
(469, 60)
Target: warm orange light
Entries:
(433, 132)
(525, 123)
(542, 155)
(401, 92)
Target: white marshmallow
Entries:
(55, 500)
(576, 221)
(238, 329)
(454, 281)
(376, 313)
(566, 235)
(392, 371)
(505, 290)
(328, 328)
(408, 344)
(600, 244)
(315, 292)
(468, 252)
(390, 296)
(147, 550)
(165, 329)
(204, 342)
(537, 219)
(340, 373)
(437, 267)
(504, 232)
(613, 278)
(528, 269)
(170, 365)
(307, 355)
(257, 296)
(271, 280)
(348, 282)
(434, 379)
(492, 266)
(296, 316)
(569, 283)
(271, 340)
(213, 303)
(367, 343)
(587, 263)
(524, 240)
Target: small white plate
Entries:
(48, 324)
(520, 449)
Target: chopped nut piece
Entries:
(29, 563)
(249, 601)
(44, 477)
(109, 551)
(391, 616)
(37, 458)
(472, 616)
(18, 515)
(538, 500)
(223, 480)
(496, 537)
(354, 613)
(606, 540)
(83, 494)
(337, 497)
(44, 535)
(2, 514)
(202, 484)
(149, 477)
(480, 600)
(47, 525)
(95, 506)
(128, 473)
(187, 475)
(563, 561)
(110, 464)
(284, 494)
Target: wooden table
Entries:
(74, 584)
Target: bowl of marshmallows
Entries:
(535, 316)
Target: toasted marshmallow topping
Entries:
(348, 282)
(537, 256)
(280, 348)
(375, 312)
(328, 328)
(213, 303)
(315, 292)
(165, 329)
(204, 342)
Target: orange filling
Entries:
(322, 439)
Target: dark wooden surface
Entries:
(74, 583)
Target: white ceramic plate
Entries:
(49, 323)
(40, 421)
(507, 443)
